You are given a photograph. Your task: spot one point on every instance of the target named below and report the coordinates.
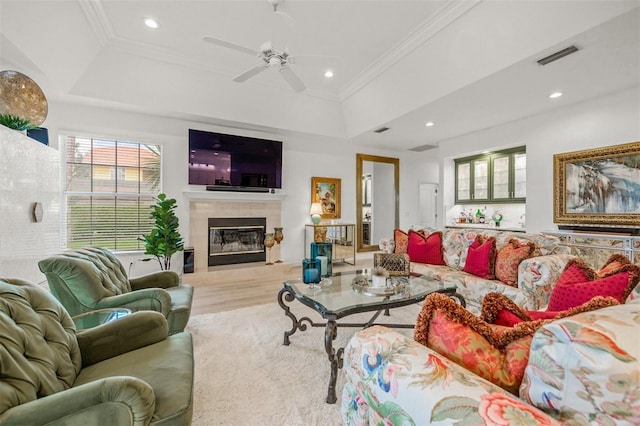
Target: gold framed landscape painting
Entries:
(598, 186)
(326, 191)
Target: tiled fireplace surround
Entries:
(201, 210)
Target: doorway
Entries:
(428, 205)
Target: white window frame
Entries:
(65, 193)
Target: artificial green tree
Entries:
(165, 239)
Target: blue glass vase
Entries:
(311, 271)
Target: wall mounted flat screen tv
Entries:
(220, 160)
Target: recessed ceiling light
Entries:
(328, 73)
(555, 95)
(151, 23)
(429, 123)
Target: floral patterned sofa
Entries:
(536, 275)
(582, 370)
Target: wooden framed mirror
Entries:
(377, 199)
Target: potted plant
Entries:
(165, 239)
(16, 123)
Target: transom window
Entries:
(109, 188)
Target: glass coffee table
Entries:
(343, 297)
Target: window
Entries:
(109, 188)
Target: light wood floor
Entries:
(224, 288)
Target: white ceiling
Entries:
(99, 51)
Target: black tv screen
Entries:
(230, 160)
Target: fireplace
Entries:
(236, 240)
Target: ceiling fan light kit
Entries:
(268, 55)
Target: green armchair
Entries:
(126, 372)
(93, 278)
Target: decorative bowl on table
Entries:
(362, 284)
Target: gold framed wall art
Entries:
(326, 191)
(598, 186)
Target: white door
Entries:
(428, 203)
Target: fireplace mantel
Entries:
(193, 194)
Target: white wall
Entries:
(416, 168)
(304, 156)
(29, 173)
(609, 120)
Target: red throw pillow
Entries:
(507, 318)
(425, 249)
(616, 279)
(481, 256)
(566, 296)
(500, 310)
(508, 259)
(576, 271)
(401, 240)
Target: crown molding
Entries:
(429, 28)
(98, 20)
(156, 53)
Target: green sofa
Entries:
(93, 278)
(126, 372)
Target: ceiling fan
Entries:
(269, 57)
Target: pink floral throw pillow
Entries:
(508, 259)
(495, 353)
(401, 241)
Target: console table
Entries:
(595, 249)
(341, 236)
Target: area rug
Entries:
(244, 375)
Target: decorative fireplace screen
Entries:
(236, 240)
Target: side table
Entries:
(98, 317)
(340, 235)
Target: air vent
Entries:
(422, 148)
(558, 55)
(381, 130)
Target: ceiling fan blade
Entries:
(224, 43)
(286, 17)
(250, 73)
(276, 4)
(294, 81)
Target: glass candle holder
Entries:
(322, 251)
(311, 272)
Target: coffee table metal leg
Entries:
(459, 298)
(335, 358)
(296, 324)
